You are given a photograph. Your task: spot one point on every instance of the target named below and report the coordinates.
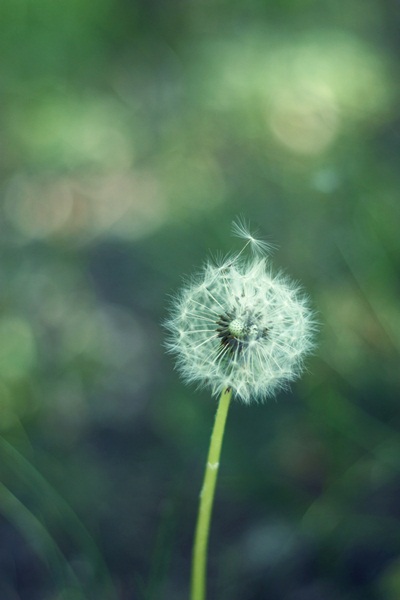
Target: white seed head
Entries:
(237, 325)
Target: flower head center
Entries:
(236, 332)
(237, 328)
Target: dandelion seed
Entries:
(241, 229)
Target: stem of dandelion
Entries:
(198, 582)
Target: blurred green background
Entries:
(132, 133)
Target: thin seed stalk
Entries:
(198, 581)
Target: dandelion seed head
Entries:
(239, 325)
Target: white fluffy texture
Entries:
(239, 326)
(241, 229)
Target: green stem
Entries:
(198, 584)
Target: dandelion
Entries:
(240, 326)
(239, 329)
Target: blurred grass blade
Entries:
(371, 299)
(40, 488)
(31, 528)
